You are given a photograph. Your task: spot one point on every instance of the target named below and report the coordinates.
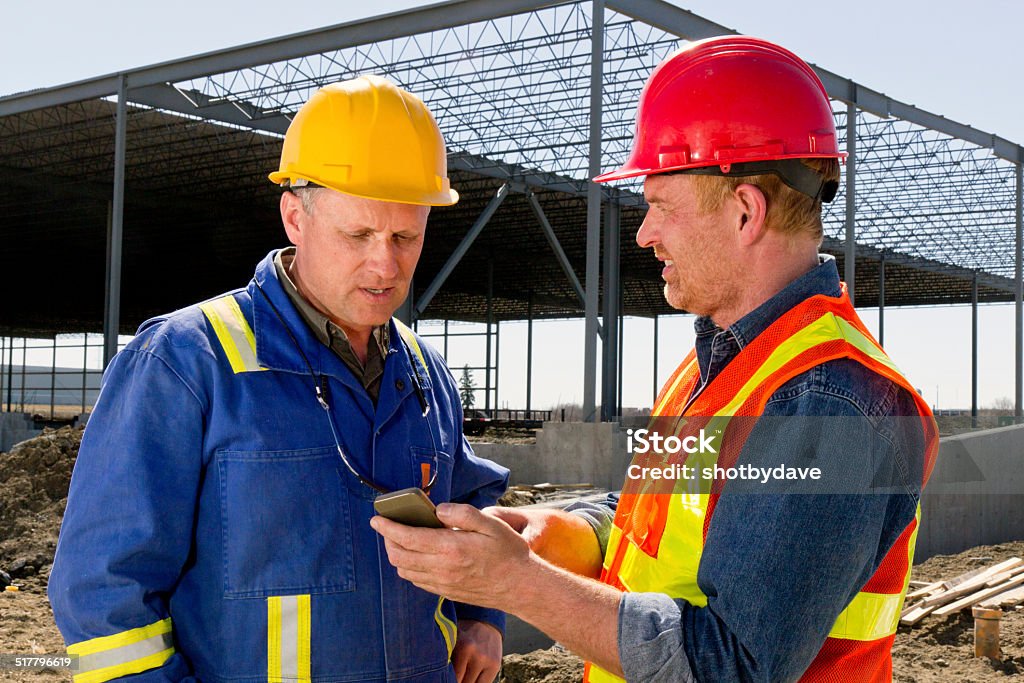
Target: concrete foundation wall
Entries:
(976, 493)
(565, 453)
(15, 428)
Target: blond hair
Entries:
(788, 211)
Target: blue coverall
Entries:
(212, 530)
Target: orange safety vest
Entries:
(658, 534)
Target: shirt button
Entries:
(399, 384)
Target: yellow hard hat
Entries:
(369, 138)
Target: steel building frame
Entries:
(534, 98)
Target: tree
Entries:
(466, 388)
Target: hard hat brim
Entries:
(440, 198)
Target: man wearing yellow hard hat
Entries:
(217, 526)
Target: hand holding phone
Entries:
(408, 506)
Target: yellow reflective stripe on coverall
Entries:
(122, 654)
(288, 638)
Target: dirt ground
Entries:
(33, 487)
(942, 649)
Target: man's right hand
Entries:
(561, 538)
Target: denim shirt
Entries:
(778, 567)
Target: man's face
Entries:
(354, 257)
(692, 244)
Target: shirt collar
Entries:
(322, 326)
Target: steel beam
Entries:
(1002, 284)
(115, 234)
(194, 103)
(611, 317)
(851, 208)
(556, 247)
(460, 251)
(593, 212)
(362, 32)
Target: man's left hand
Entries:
(477, 653)
(478, 559)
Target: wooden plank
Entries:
(971, 585)
(925, 589)
(908, 608)
(956, 581)
(1004, 576)
(1012, 597)
(979, 596)
(917, 614)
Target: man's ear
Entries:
(292, 214)
(752, 208)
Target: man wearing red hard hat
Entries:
(780, 547)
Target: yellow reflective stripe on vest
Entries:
(672, 390)
(449, 631)
(123, 654)
(288, 638)
(233, 333)
(599, 675)
(410, 339)
(871, 616)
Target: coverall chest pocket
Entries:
(427, 462)
(286, 523)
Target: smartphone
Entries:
(408, 506)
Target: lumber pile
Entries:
(996, 587)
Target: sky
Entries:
(957, 59)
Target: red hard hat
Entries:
(730, 100)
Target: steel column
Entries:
(115, 228)
(881, 301)
(529, 353)
(85, 367)
(407, 311)
(621, 355)
(497, 363)
(24, 364)
(654, 395)
(461, 250)
(490, 313)
(1018, 276)
(3, 373)
(593, 213)
(53, 375)
(10, 374)
(851, 214)
(610, 325)
(974, 351)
